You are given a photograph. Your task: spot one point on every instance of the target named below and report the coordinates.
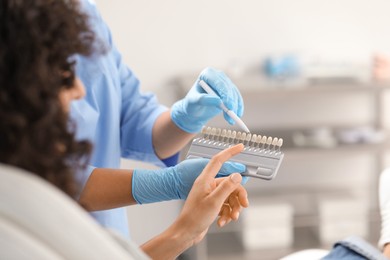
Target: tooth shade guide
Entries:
(262, 154)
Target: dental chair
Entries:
(37, 221)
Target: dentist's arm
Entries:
(172, 130)
(112, 188)
(168, 138)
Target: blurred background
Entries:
(315, 73)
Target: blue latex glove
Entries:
(171, 183)
(197, 107)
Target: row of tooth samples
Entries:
(235, 137)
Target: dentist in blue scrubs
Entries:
(122, 122)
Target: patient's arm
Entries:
(107, 189)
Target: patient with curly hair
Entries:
(39, 40)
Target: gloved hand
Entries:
(197, 107)
(174, 182)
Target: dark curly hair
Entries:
(38, 41)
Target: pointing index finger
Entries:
(215, 164)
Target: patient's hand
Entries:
(233, 205)
(210, 197)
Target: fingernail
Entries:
(235, 177)
(222, 223)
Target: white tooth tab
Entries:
(207, 133)
(238, 136)
(258, 141)
(248, 137)
(229, 133)
(223, 134)
(217, 134)
(275, 142)
(234, 134)
(243, 137)
(263, 139)
(218, 131)
(214, 133)
(254, 136)
(269, 140)
(280, 142)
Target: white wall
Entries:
(162, 38)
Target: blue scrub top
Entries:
(114, 115)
